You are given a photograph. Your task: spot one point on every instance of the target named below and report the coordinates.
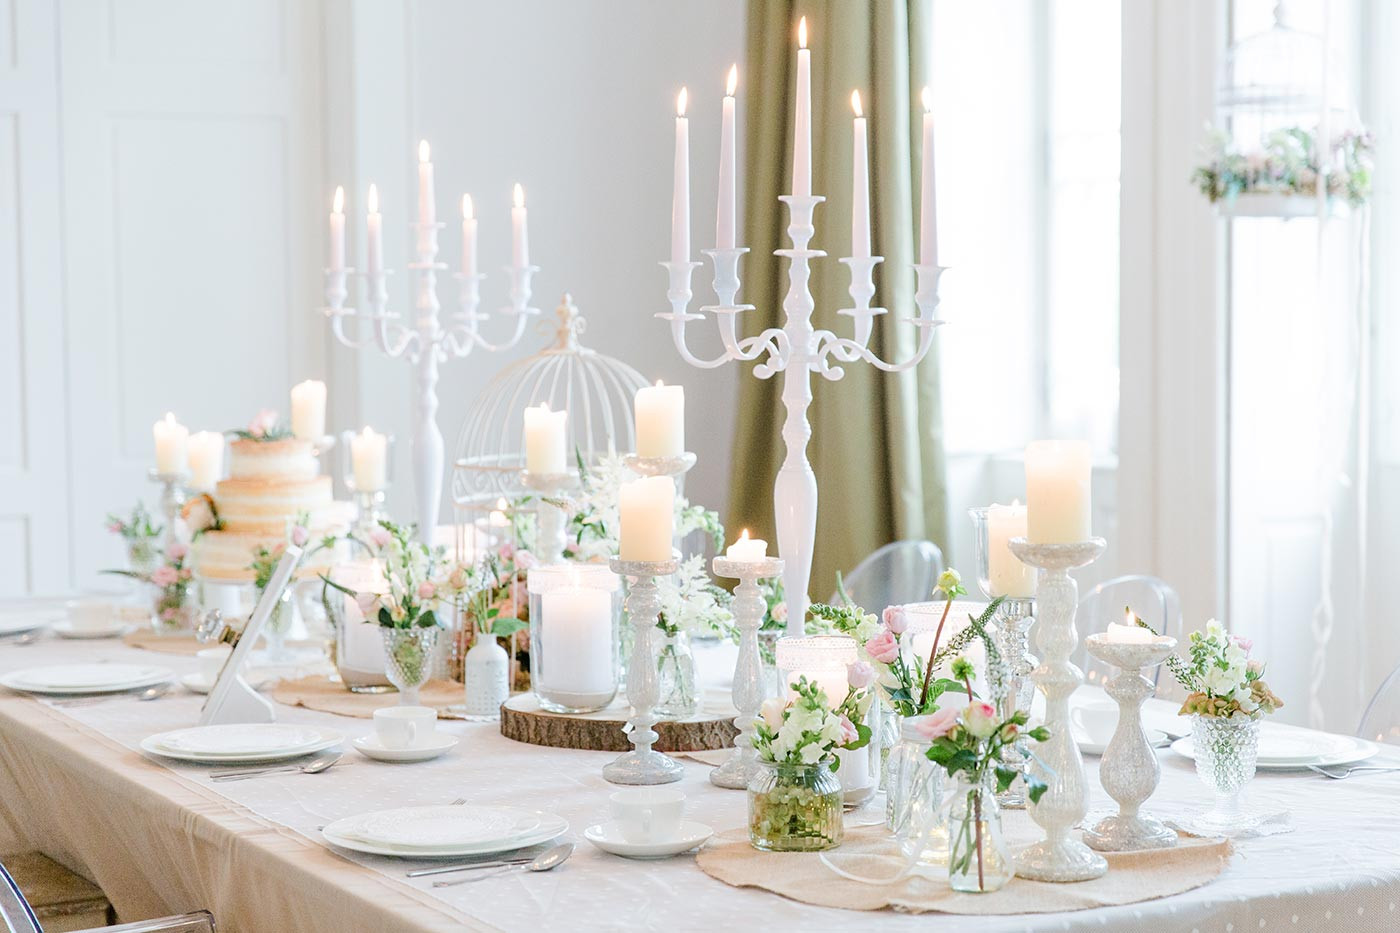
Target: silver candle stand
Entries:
(1014, 618)
(172, 497)
(749, 608)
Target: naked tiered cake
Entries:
(271, 483)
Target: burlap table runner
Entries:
(318, 693)
(165, 644)
(870, 852)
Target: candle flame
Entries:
(367, 432)
(855, 103)
(373, 198)
(681, 98)
(519, 196)
(744, 535)
(659, 383)
(502, 504)
(169, 417)
(733, 81)
(802, 33)
(338, 203)
(1128, 616)
(423, 151)
(1015, 503)
(466, 207)
(927, 96)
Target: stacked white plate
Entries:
(444, 831)
(241, 742)
(19, 621)
(69, 679)
(1294, 750)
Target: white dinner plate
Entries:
(114, 627)
(438, 744)
(18, 621)
(71, 679)
(294, 744)
(1331, 750)
(608, 837)
(347, 833)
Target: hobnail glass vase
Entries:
(675, 678)
(795, 808)
(1225, 750)
(914, 798)
(173, 608)
(978, 857)
(408, 659)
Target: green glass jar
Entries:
(795, 808)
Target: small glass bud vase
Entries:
(795, 807)
(1226, 749)
(174, 608)
(675, 677)
(142, 555)
(978, 857)
(914, 789)
(408, 659)
(575, 620)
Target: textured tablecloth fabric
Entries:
(159, 838)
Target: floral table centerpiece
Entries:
(264, 565)
(493, 603)
(795, 802)
(173, 608)
(140, 535)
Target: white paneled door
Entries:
(191, 192)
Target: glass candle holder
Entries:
(369, 501)
(823, 660)
(575, 614)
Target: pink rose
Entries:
(164, 575)
(368, 604)
(937, 725)
(860, 674)
(779, 612)
(114, 527)
(458, 578)
(506, 551)
(506, 609)
(262, 422)
(168, 614)
(848, 732)
(426, 590)
(300, 535)
(980, 718)
(524, 560)
(895, 620)
(1246, 644)
(883, 647)
(176, 551)
(380, 537)
(186, 573)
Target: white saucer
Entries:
(198, 683)
(608, 837)
(114, 627)
(1154, 738)
(368, 745)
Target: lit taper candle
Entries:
(374, 239)
(860, 185)
(724, 214)
(680, 187)
(802, 125)
(519, 235)
(468, 237)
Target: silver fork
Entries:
(1349, 771)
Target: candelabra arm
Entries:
(460, 336)
(848, 350)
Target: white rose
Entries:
(772, 713)
(867, 629)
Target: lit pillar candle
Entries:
(337, 260)
(206, 453)
(660, 417)
(802, 124)
(860, 185)
(724, 214)
(746, 548)
(468, 236)
(369, 457)
(309, 410)
(1007, 575)
(374, 235)
(172, 441)
(680, 186)
(1058, 503)
(576, 629)
(928, 195)
(1129, 633)
(545, 446)
(427, 213)
(519, 235)
(647, 510)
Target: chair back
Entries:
(15, 912)
(1381, 720)
(898, 573)
(1152, 599)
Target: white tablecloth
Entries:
(1339, 870)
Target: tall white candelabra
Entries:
(427, 343)
(796, 349)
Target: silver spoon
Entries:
(28, 638)
(315, 766)
(154, 691)
(550, 858)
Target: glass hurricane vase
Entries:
(1225, 750)
(978, 857)
(795, 808)
(677, 695)
(408, 660)
(173, 608)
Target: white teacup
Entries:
(211, 662)
(1095, 721)
(89, 615)
(648, 814)
(404, 726)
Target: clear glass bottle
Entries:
(886, 737)
(678, 697)
(978, 857)
(275, 630)
(795, 808)
(914, 797)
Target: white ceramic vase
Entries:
(487, 676)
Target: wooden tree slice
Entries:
(524, 721)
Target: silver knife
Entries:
(497, 863)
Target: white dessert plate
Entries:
(114, 627)
(18, 621)
(86, 678)
(349, 832)
(1088, 747)
(608, 837)
(1328, 750)
(437, 744)
(198, 683)
(241, 742)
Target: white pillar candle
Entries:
(854, 772)
(172, 441)
(832, 681)
(680, 186)
(802, 125)
(576, 628)
(1007, 575)
(337, 260)
(519, 234)
(746, 548)
(369, 457)
(374, 235)
(545, 444)
(309, 410)
(928, 195)
(1058, 502)
(468, 236)
(724, 214)
(660, 420)
(647, 511)
(860, 185)
(427, 212)
(206, 453)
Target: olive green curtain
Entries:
(876, 444)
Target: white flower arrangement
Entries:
(807, 729)
(1220, 677)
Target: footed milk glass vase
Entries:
(795, 807)
(408, 659)
(1226, 750)
(978, 857)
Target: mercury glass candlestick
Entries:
(749, 608)
(552, 520)
(172, 497)
(1129, 769)
(643, 765)
(1058, 762)
(675, 467)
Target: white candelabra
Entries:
(796, 349)
(427, 343)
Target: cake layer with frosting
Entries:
(288, 459)
(225, 556)
(266, 506)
